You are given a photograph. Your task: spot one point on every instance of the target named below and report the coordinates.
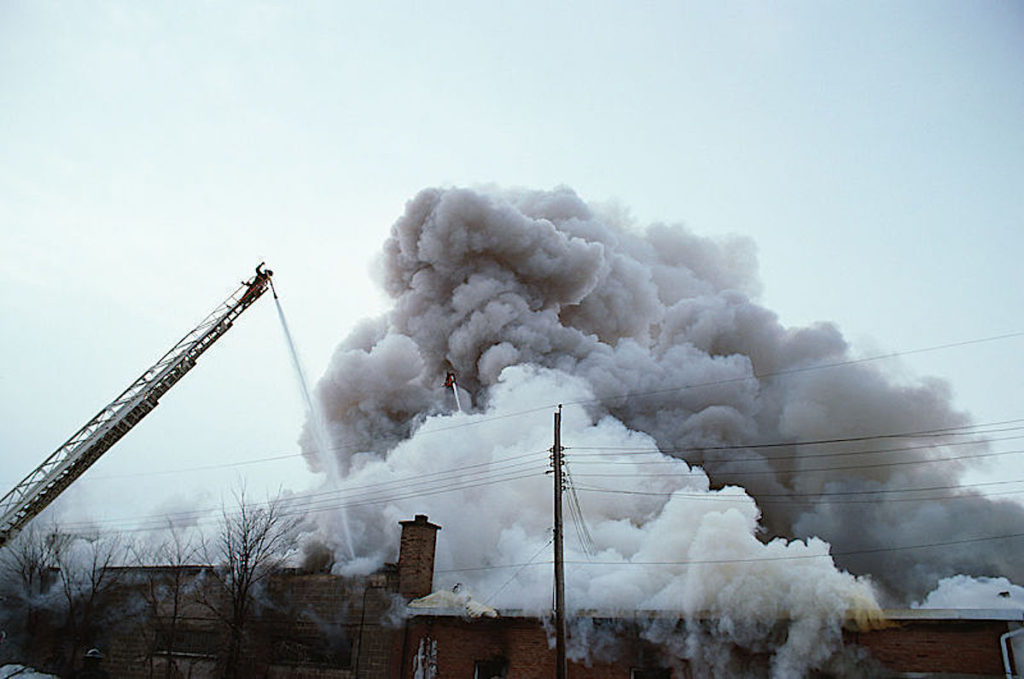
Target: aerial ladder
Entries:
(79, 452)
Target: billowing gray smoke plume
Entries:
(660, 326)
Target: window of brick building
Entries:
(495, 668)
(187, 641)
(309, 647)
(650, 673)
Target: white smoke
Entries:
(663, 541)
(534, 298)
(963, 591)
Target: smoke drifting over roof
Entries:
(535, 298)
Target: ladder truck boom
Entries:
(79, 452)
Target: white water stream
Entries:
(321, 440)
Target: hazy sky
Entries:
(151, 154)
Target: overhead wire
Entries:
(964, 430)
(421, 486)
(607, 451)
(786, 557)
(375, 493)
(665, 458)
(809, 498)
(429, 483)
(291, 507)
(579, 520)
(483, 419)
(838, 493)
(339, 447)
(330, 497)
(803, 470)
(467, 476)
(300, 507)
(792, 371)
(795, 557)
(516, 573)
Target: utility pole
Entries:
(556, 460)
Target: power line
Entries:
(422, 486)
(518, 571)
(404, 489)
(578, 518)
(794, 557)
(480, 419)
(812, 499)
(879, 465)
(787, 557)
(500, 464)
(331, 449)
(432, 483)
(793, 371)
(840, 493)
(664, 458)
(965, 430)
(338, 499)
(624, 450)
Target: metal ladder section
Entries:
(67, 463)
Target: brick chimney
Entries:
(416, 557)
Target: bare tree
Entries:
(29, 602)
(251, 545)
(170, 577)
(90, 572)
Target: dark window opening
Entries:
(650, 673)
(313, 649)
(186, 641)
(495, 668)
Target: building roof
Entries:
(893, 614)
(1007, 614)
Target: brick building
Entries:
(913, 643)
(307, 625)
(321, 626)
(944, 642)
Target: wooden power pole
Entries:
(556, 460)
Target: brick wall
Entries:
(944, 647)
(307, 625)
(458, 644)
(322, 626)
(416, 557)
(964, 647)
(304, 613)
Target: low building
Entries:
(322, 626)
(929, 642)
(915, 643)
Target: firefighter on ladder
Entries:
(261, 279)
